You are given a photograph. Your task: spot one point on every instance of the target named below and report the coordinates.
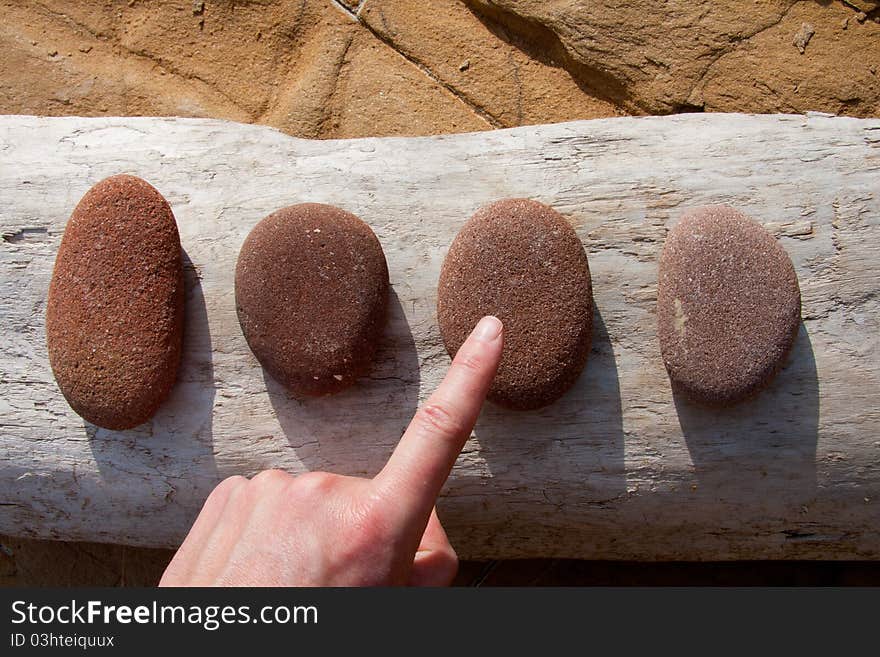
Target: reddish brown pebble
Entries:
(311, 290)
(728, 306)
(114, 318)
(522, 262)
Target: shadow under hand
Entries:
(166, 465)
(354, 431)
(762, 450)
(566, 458)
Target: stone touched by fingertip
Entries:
(311, 292)
(728, 306)
(114, 315)
(521, 261)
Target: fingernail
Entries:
(488, 329)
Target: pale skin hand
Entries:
(328, 530)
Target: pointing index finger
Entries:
(428, 449)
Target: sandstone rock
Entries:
(650, 57)
(389, 67)
(376, 88)
(864, 6)
(834, 75)
(506, 79)
(305, 67)
(94, 83)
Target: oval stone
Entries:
(114, 317)
(728, 306)
(311, 291)
(521, 261)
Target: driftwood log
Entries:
(618, 469)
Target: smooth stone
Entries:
(114, 317)
(311, 291)
(521, 261)
(728, 307)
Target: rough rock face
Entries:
(114, 317)
(392, 67)
(659, 57)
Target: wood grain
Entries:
(617, 469)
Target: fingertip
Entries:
(435, 562)
(488, 329)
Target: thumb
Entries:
(435, 562)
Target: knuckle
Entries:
(314, 482)
(436, 418)
(224, 488)
(226, 493)
(232, 482)
(469, 361)
(271, 478)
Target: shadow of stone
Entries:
(763, 448)
(581, 473)
(327, 432)
(165, 467)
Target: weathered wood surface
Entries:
(617, 469)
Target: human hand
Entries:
(322, 529)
